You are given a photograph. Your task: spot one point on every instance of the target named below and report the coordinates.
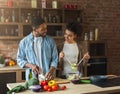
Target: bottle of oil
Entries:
(30, 74)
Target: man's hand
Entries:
(34, 68)
(51, 74)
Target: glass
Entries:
(71, 76)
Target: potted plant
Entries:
(2, 61)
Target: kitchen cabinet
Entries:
(97, 64)
(15, 22)
(10, 74)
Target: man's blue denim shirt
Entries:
(26, 53)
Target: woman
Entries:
(71, 52)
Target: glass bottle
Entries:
(13, 16)
(2, 18)
(58, 18)
(96, 34)
(49, 18)
(30, 74)
(28, 18)
(86, 36)
(22, 17)
(91, 35)
(6, 31)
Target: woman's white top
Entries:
(70, 56)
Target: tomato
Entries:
(63, 87)
(45, 87)
(43, 83)
(49, 89)
(55, 87)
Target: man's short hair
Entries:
(36, 22)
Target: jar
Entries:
(86, 36)
(96, 34)
(43, 3)
(91, 35)
(9, 3)
(34, 3)
(54, 4)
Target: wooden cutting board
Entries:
(61, 81)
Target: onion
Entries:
(35, 88)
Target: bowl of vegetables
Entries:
(74, 78)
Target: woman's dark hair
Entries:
(36, 21)
(74, 27)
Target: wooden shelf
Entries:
(10, 38)
(10, 23)
(25, 28)
(55, 24)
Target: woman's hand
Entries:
(87, 56)
(61, 54)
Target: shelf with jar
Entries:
(9, 23)
(18, 20)
(9, 15)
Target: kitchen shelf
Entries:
(56, 21)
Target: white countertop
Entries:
(73, 89)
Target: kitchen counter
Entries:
(10, 68)
(19, 72)
(73, 89)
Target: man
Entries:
(38, 52)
